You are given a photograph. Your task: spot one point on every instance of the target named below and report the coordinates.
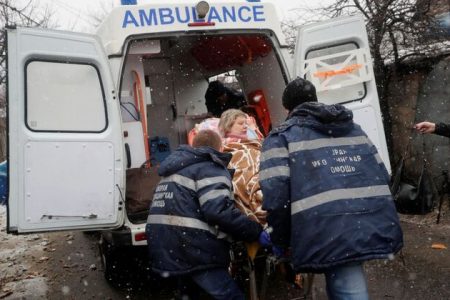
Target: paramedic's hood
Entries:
(128, 20)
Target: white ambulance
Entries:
(83, 107)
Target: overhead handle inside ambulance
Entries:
(173, 106)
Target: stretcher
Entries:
(262, 270)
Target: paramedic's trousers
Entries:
(347, 282)
(216, 282)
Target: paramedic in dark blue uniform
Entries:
(192, 218)
(326, 193)
(220, 98)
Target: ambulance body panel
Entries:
(83, 109)
(65, 145)
(127, 21)
(340, 67)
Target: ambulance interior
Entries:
(164, 82)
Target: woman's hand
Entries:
(425, 127)
(261, 215)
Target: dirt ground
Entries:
(67, 266)
(21, 259)
(420, 271)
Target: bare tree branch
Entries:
(395, 27)
(99, 15)
(398, 31)
(12, 14)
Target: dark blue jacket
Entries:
(192, 215)
(326, 190)
(442, 129)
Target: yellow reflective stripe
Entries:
(274, 172)
(339, 194)
(274, 153)
(212, 195)
(213, 180)
(180, 180)
(327, 142)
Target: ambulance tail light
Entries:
(140, 237)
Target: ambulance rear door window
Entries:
(343, 67)
(64, 97)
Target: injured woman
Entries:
(243, 141)
(242, 138)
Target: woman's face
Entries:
(239, 126)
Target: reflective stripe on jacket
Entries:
(192, 216)
(326, 190)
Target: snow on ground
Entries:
(21, 259)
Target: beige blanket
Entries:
(245, 161)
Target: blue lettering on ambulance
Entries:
(226, 13)
(258, 13)
(148, 19)
(165, 15)
(241, 16)
(128, 18)
(214, 15)
(194, 16)
(186, 14)
(179, 19)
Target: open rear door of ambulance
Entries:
(335, 56)
(65, 146)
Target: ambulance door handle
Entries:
(174, 110)
(49, 217)
(128, 153)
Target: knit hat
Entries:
(298, 91)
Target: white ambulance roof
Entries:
(128, 20)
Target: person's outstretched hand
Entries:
(425, 127)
